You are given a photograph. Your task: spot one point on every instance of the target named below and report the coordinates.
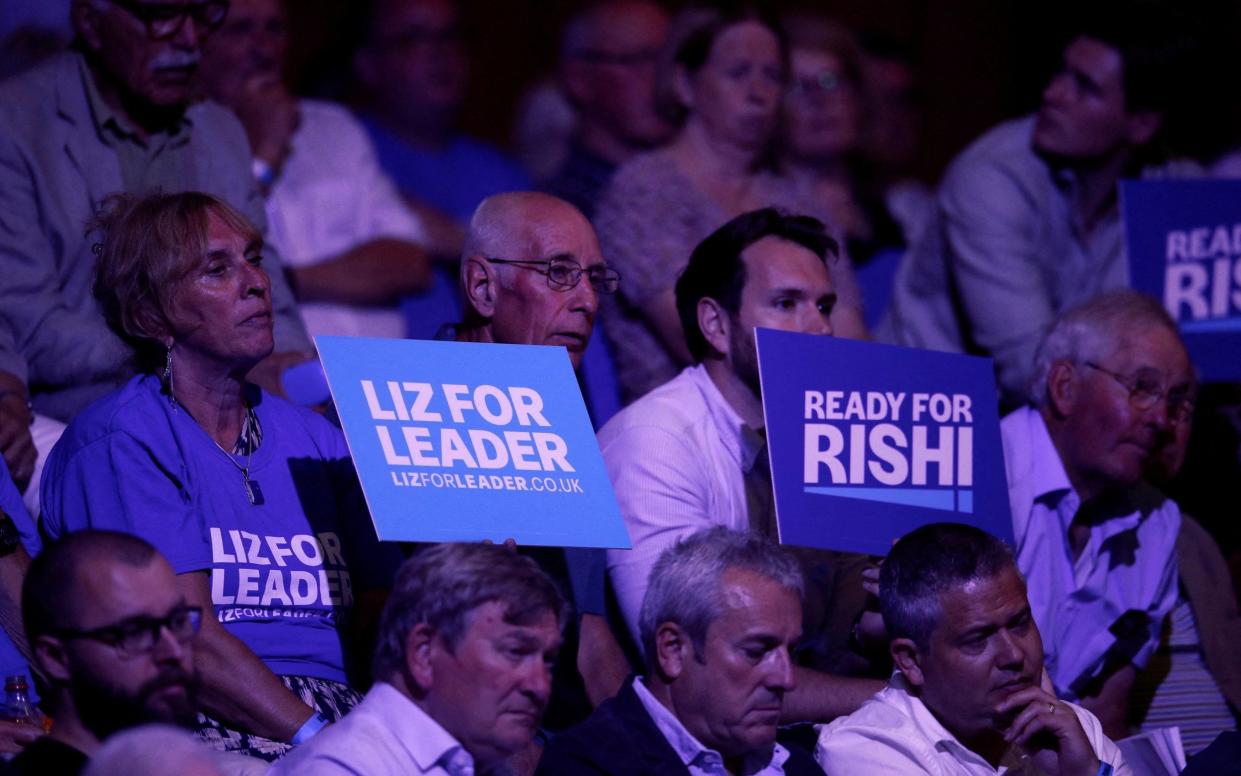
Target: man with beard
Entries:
(966, 697)
(113, 639)
(1028, 216)
(691, 454)
(112, 114)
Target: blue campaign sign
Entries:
(458, 441)
(1183, 239)
(870, 441)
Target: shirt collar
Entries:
(112, 126)
(427, 742)
(744, 444)
(929, 726)
(1049, 482)
(689, 750)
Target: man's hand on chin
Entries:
(1049, 731)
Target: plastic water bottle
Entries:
(17, 706)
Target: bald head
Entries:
(516, 303)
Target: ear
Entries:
(715, 324)
(50, 656)
(1143, 125)
(1062, 387)
(481, 285)
(85, 18)
(908, 659)
(420, 644)
(672, 649)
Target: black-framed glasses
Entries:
(1145, 388)
(563, 273)
(164, 20)
(139, 635)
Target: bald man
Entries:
(531, 274)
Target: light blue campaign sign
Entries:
(458, 441)
(869, 441)
(1183, 239)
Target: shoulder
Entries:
(490, 158)
(135, 409)
(670, 411)
(299, 426)
(1000, 161)
(881, 731)
(616, 738)
(28, 92)
(329, 120)
(648, 172)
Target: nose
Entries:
(190, 34)
(255, 281)
(537, 682)
(167, 648)
(781, 677)
(1158, 416)
(1009, 654)
(815, 322)
(1057, 90)
(585, 297)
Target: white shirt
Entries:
(698, 759)
(387, 734)
(895, 733)
(332, 196)
(677, 459)
(1074, 602)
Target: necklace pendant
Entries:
(253, 491)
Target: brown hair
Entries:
(149, 244)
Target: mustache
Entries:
(172, 677)
(174, 58)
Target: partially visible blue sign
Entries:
(1183, 239)
(457, 441)
(870, 441)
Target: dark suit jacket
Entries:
(620, 739)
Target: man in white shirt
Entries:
(718, 621)
(966, 698)
(348, 239)
(690, 454)
(1096, 544)
(462, 670)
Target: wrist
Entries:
(309, 728)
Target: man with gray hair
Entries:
(966, 698)
(1095, 542)
(462, 670)
(531, 274)
(718, 621)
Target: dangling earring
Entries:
(166, 376)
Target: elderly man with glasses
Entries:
(1112, 385)
(115, 113)
(113, 638)
(532, 274)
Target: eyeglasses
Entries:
(563, 273)
(1146, 390)
(164, 20)
(825, 82)
(139, 635)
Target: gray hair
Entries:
(928, 561)
(442, 585)
(154, 750)
(1092, 331)
(686, 584)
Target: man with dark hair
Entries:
(112, 637)
(967, 696)
(114, 113)
(1028, 216)
(690, 454)
(719, 621)
(462, 670)
(607, 71)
